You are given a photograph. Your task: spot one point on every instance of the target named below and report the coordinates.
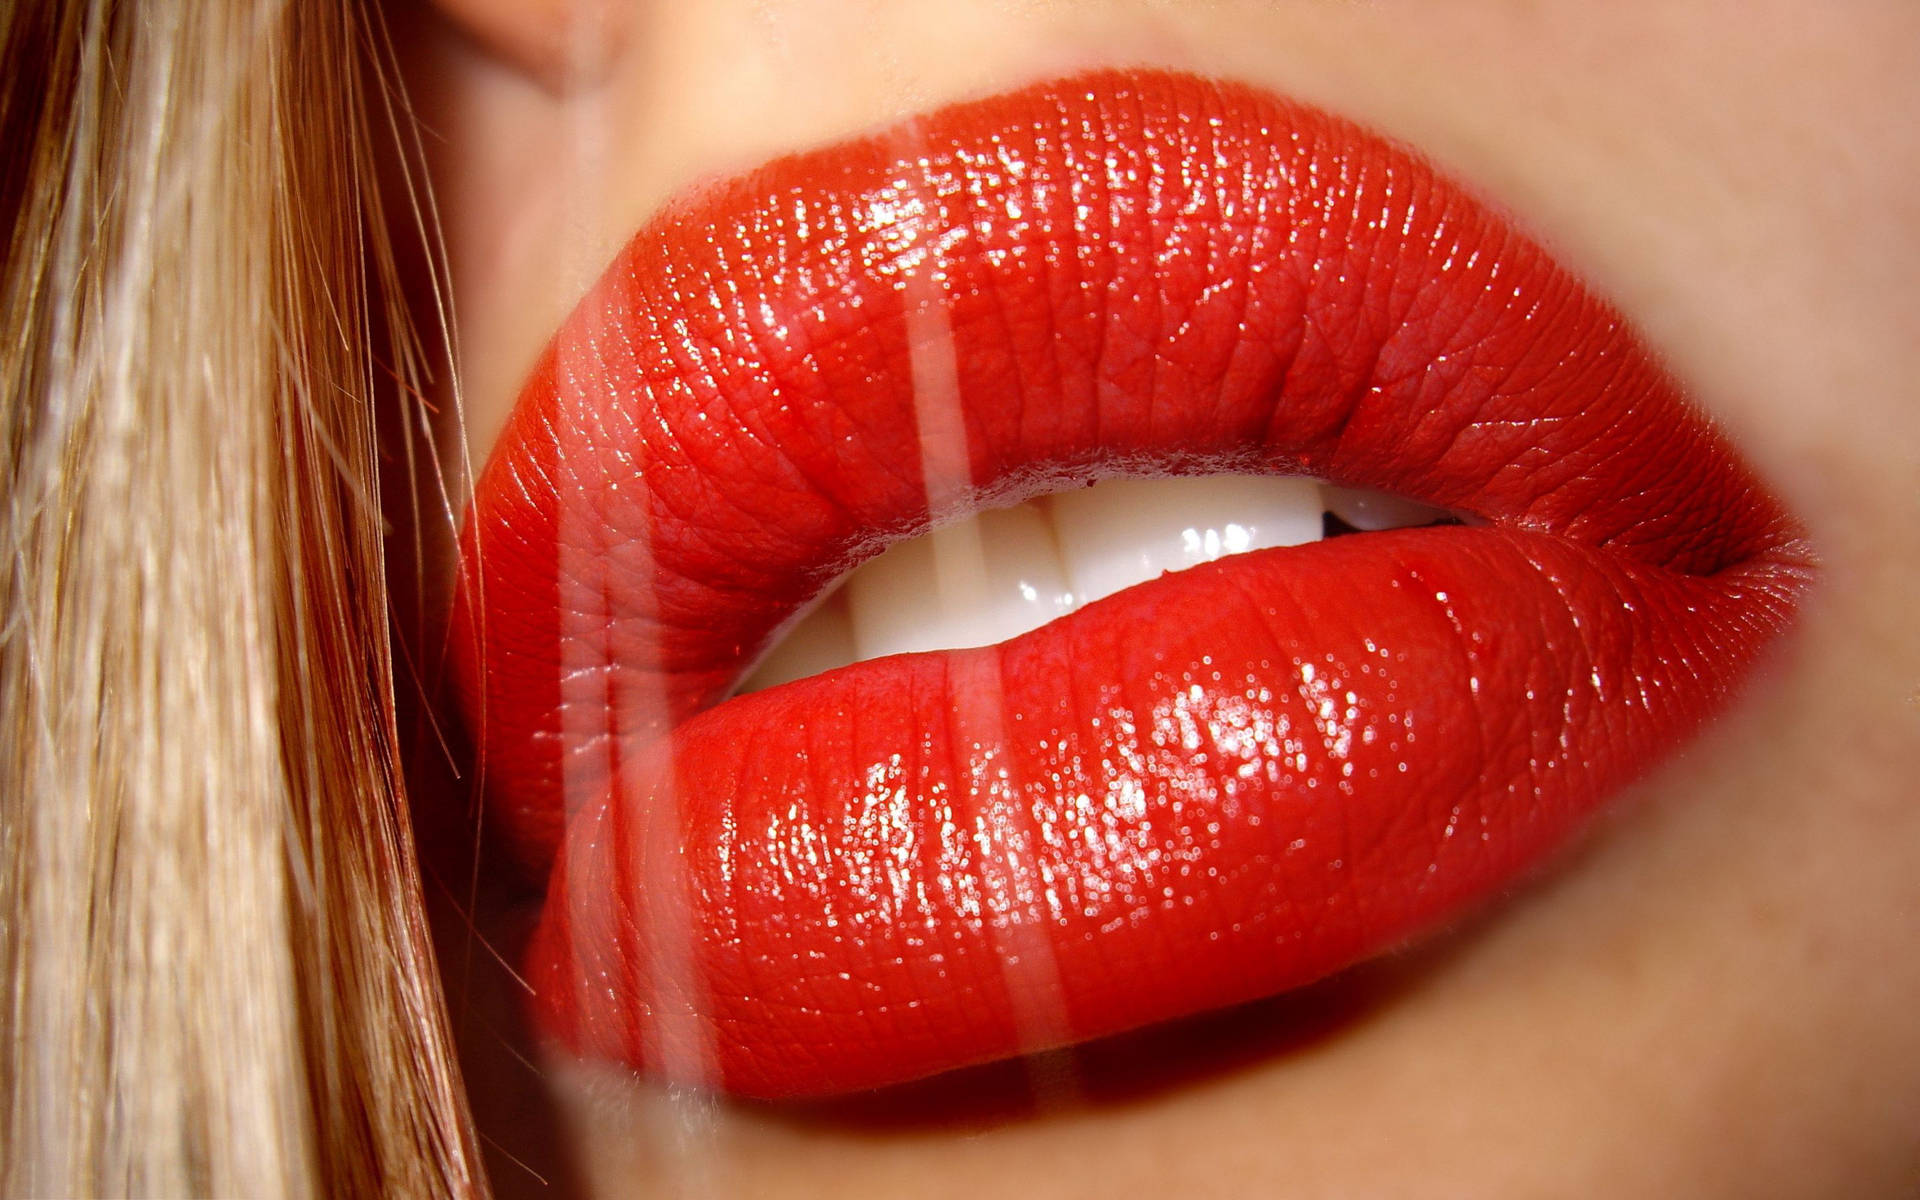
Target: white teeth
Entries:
(1126, 531)
(971, 584)
(821, 641)
(1005, 572)
(1371, 512)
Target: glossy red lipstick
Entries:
(1210, 787)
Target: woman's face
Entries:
(1713, 995)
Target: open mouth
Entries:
(1005, 572)
(1172, 791)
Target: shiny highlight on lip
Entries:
(1206, 788)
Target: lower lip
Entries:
(1209, 788)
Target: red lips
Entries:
(1208, 788)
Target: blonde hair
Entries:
(219, 975)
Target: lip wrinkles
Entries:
(1211, 787)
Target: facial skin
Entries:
(1714, 996)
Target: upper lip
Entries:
(920, 862)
